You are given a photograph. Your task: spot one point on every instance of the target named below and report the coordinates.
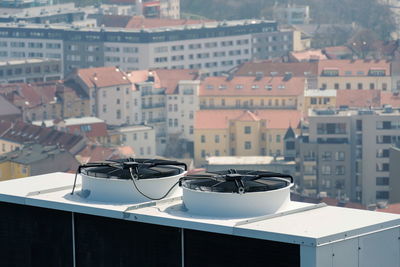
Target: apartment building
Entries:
(48, 100)
(213, 46)
(355, 75)
(242, 132)
(141, 138)
(30, 70)
(246, 92)
(346, 151)
(292, 14)
(112, 96)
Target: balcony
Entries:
(156, 120)
(153, 92)
(155, 105)
(309, 158)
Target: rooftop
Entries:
(320, 93)
(300, 223)
(247, 85)
(103, 77)
(70, 121)
(31, 154)
(275, 119)
(357, 67)
(13, 62)
(298, 69)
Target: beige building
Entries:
(242, 132)
(246, 92)
(354, 75)
(319, 99)
(141, 138)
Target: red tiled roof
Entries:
(219, 119)
(96, 130)
(298, 69)
(355, 66)
(30, 95)
(103, 77)
(391, 208)
(21, 132)
(94, 153)
(169, 79)
(388, 98)
(220, 86)
(358, 98)
(164, 78)
(334, 51)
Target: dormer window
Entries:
(255, 86)
(222, 86)
(376, 72)
(268, 87)
(330, 72)
(209, 86)
(239, 86)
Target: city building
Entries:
(394, 174)
(291, 14)
(213, 46)
(23, 3)
(267, 163)
(43, 14)
(345, 153)
(141, 138)
(355, 75)
(247, 92)
(29, 70)
(308, 70)
(35, 159)
(147, 8)
(242, 132)
(48, 100)
(14, 135)
(320, 99)
(112, 96)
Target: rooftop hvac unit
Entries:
(236, 193)
(130, 180)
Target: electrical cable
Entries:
(134, 183)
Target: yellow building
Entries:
(354, 75)
(246, 92)
(242, 132)
(319, 99)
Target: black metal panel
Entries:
(210, 249)
(104, 241)
(31, 236)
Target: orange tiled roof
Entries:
(298, 69)
(355, 66)
(219, 119)
(103, 77)
(164, 78)
(358, 98)
(246, 85)
(391, 208)
(388, 98)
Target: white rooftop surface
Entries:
(71, 121)
(322, 93)
(134, 128)
(301, 223)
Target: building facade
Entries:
(347, 152)
(214, 46)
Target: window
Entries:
(382, 167)
(146, 135)
(339, 155)
(313, 100)
(384, 86)
(326, 156)
(336, 86)
(326, 170)
(382, 180)
(203, 153)
(339, 170)
(382, 194)
(203, 138)
(348, 86)
(247, 130)
(247, 145)
(359, 86)
(118, 114)
(216, 138)
(278, 138)
(371, 86)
